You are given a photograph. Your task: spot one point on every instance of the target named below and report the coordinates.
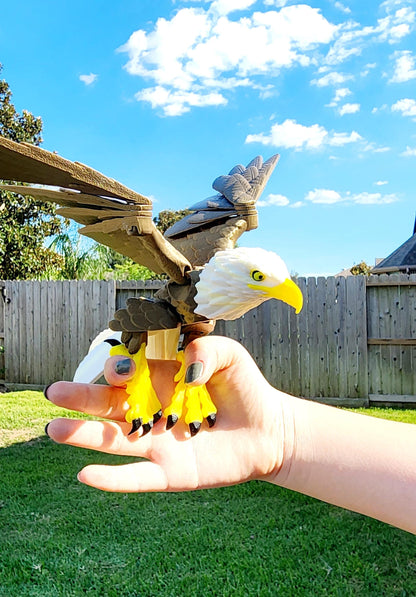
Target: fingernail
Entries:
(123, 367)
(45, 391)
(193, 372)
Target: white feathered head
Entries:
(237, 280)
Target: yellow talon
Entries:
(194, 400)
(143, 401)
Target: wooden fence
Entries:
(353, 343)
(2, 300)
(49, 325)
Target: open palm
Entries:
(243, 445)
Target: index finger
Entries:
(107, 402)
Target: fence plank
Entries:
(331, 326)
(303, 345)
(392, 330)
(49, 326)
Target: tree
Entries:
(166, 218)
(24, 222)
(361, 269)
(120, 267)
(76, 263)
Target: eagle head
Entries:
(237, 280)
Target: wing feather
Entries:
(218, 222)
(111, 213)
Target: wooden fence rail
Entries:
(353, 343)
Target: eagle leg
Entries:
(194, 401)
(145, 408)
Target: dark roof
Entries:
(402, 259)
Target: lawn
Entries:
(60, 538)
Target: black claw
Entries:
(171, 421)
(135, 425)
(211, 419)
(157, 417)
(147, 427)
(112, 342)
(194, 427)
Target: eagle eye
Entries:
(257, 276)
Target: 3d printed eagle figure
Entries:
(209, 278)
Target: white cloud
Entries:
(404, 69)
(175, 103)
(380, 183)
(374, 148)
(339, 139)
(224, 7)
(88, 79)
(342, 7)
(352, 37)
(325, 196)
(331, 197)
(349, 109)
(277, 3)
(368, 68)
(396, 25)
(373, 198)
(332, 78)
(291, 134)
(406, 106)
(279, 200)
(339, 95)
(409, 152)
(199, 48)
(221, 45)
(382, 108)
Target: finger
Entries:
(208, 355)
(97, 400)
(101, 436)
(135, 477)
(119, 370)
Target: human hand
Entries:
(246, 442)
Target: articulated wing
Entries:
(111, 213)
(218, 222)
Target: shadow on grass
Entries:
(58, 537)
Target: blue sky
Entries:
(165, 96)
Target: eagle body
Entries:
(208, 278)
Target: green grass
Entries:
(59, 538)
(394, 414)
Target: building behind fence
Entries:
(354, 342)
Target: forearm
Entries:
(358, 462)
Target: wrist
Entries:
(293, 445)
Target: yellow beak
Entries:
(288, 292)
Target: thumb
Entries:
(119, 370)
